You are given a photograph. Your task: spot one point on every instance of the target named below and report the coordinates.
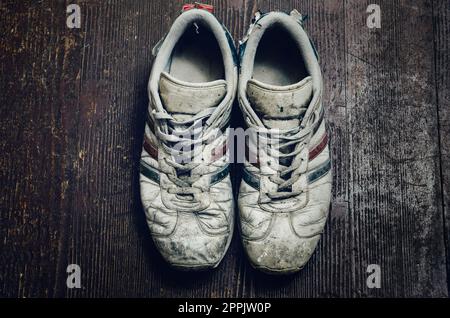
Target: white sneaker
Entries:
(286, 189)
(189, 205)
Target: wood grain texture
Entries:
(441, 19)
(39, 61)
(71, 129)
(394, 197)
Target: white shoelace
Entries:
(185, 140)
(276, 140)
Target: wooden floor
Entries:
(71, 127)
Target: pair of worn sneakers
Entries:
(186, 190)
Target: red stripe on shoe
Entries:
(150, 148)
(313, 153)
(219, 152)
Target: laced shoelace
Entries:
(277, 142)
(184, 140)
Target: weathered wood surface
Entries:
(441, 29)
(72, 118)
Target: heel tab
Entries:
(197, 5)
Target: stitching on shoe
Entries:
(265, 234)
(206, 232)
(303, 236)
(171, 233)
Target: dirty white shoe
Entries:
(184, 180)
(285, 193)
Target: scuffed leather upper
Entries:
(189, 233)
(280, 234)
(190, 216)
(196, 238)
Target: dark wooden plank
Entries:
(441, 15)
(395, 181)
(328, 274)
(38, 63)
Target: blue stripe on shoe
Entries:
(149, 172)
(313, 175)
(153, 174)
(319, 172)
(250, 179)
(220, 175)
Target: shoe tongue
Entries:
(184, 99)
(280, 106)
